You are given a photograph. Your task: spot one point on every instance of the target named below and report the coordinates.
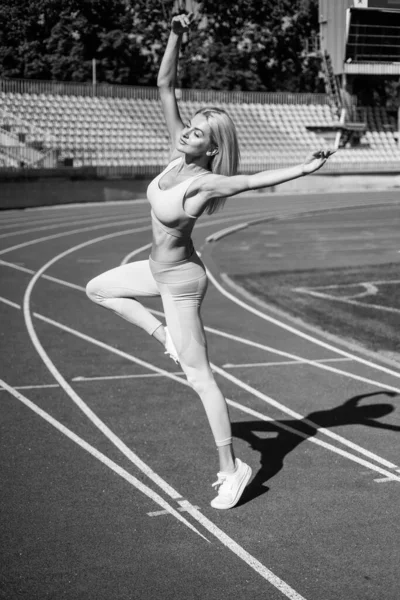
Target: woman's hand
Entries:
(316, 160)
(181, 23)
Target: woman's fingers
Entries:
(183, 20)
(325, 152)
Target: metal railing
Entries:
(50, 165)
(67, 88)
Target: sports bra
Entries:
(167, 206)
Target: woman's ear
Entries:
(212, 152)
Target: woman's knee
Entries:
(93, 291)
(200, 381)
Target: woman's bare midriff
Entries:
(169, 249)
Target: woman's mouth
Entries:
(181, 141)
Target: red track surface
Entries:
(98, 432)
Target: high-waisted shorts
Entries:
(183, 271)
(182, 286)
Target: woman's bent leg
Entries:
(117, 290)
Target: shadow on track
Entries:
(274, 449)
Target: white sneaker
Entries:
(170, 348)
(231, 486)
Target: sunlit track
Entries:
(238, 406)
(338, 453)
(233, 546)
(104, 226)
(304, 335)
(72, 232)
(100, 456)
(297, 359)
(68, 211)
(211, 527)
(85, 220)
(252, 562)
(33, 219)
(251, 389)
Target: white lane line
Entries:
(10, 303)
(159, 513)
(111, 377)
(95, 227)
(296, 415)
(279, 363)
(295, 359)
(63, 383)
(59, 225)
(233, 546)
(5, 263)
(102, 458)
(73, 231)
(353, 302)
(128, 257)
(33, 387)
(241, 407)
(315, 440)
(65, 219)
(329, 433)
(302, 334)
(251, 561)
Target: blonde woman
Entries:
(200, 176)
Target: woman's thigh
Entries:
(182, 304)
(127, 281)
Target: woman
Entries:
(199, 177)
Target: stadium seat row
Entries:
(126, 130)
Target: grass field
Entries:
(360, 304)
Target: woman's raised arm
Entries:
(219, 186)
(166, 80)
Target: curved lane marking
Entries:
(221, 536)
(240, 407)
(301, 334)
(101, 457)
(59, 225)
(264, 397)
(72, 232)
(63, 383)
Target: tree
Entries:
(253, 45)
(241, 45)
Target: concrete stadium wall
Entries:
(52, 191)
(340, 183)
(57, 190)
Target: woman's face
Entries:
(195, 138)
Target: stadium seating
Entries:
(126, 132)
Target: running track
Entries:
(107, 458)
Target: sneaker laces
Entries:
(220, 481)
(174, 358)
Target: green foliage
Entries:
(242, 45)
(256, 45)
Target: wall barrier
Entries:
(51, 187)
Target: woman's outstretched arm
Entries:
(166, 80)
(219, 186)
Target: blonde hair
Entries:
(224, 137)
